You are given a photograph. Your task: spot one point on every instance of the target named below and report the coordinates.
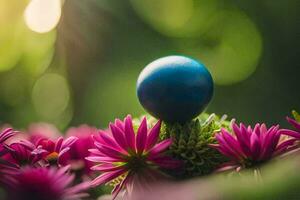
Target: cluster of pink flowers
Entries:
(248, 147)
(38, 164)
(42, 164)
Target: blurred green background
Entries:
(71, 62)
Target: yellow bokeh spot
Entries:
(42, 15)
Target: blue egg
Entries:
(175, 88)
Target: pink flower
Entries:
(121, 154)
(46, 184)
(21, 154)
(53, 151)
(248, 147)
(79, 151)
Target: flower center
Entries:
(52, 157)
(136, 163)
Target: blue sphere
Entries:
(175, 88)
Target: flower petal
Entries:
(153, 135)
(107, 140)
(129, 133)
(109, 151)
(291, 133)
(106, 177)
(294, 123)
(58, 144)
(158, 148)
(255, 146)
(106, 167)
(7, 133)
(119, 136)
(141, 138)
(69, 142)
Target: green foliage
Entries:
(296, 115)
(191, 144)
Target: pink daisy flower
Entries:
(46, 184)
(53, 151)
(249, 147)
(21, 154)
(79, 151)
(122, 155)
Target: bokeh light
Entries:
(42, 15)
(11, 32)
(38, 52)
(231, 48)
(177, 18)
(50, 96)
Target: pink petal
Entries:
(282, 147)
(231, 141)
(102, 159)
(58, 144)
(109, 151)
(106, 177)
(153, 135)
(294, 123)
(243, 139)
(119, 136)
(108, 141)
(129, 133)
(119, 124)
(95, 152)
(7, 133)
(158, 148)
(270, 143)
(106, 167)
(227, 167)
(291, 133)
(263, 128)
(255, 146)
(141, 138)
(225, 151)
(223, 143)
(69, 142)
(119, 187)
(256, 129)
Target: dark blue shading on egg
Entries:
(175, 88)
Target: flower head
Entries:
(46, 184)
(79, 151)
(53, 151)
(249, 147)
(21, 154)
(121, 153)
